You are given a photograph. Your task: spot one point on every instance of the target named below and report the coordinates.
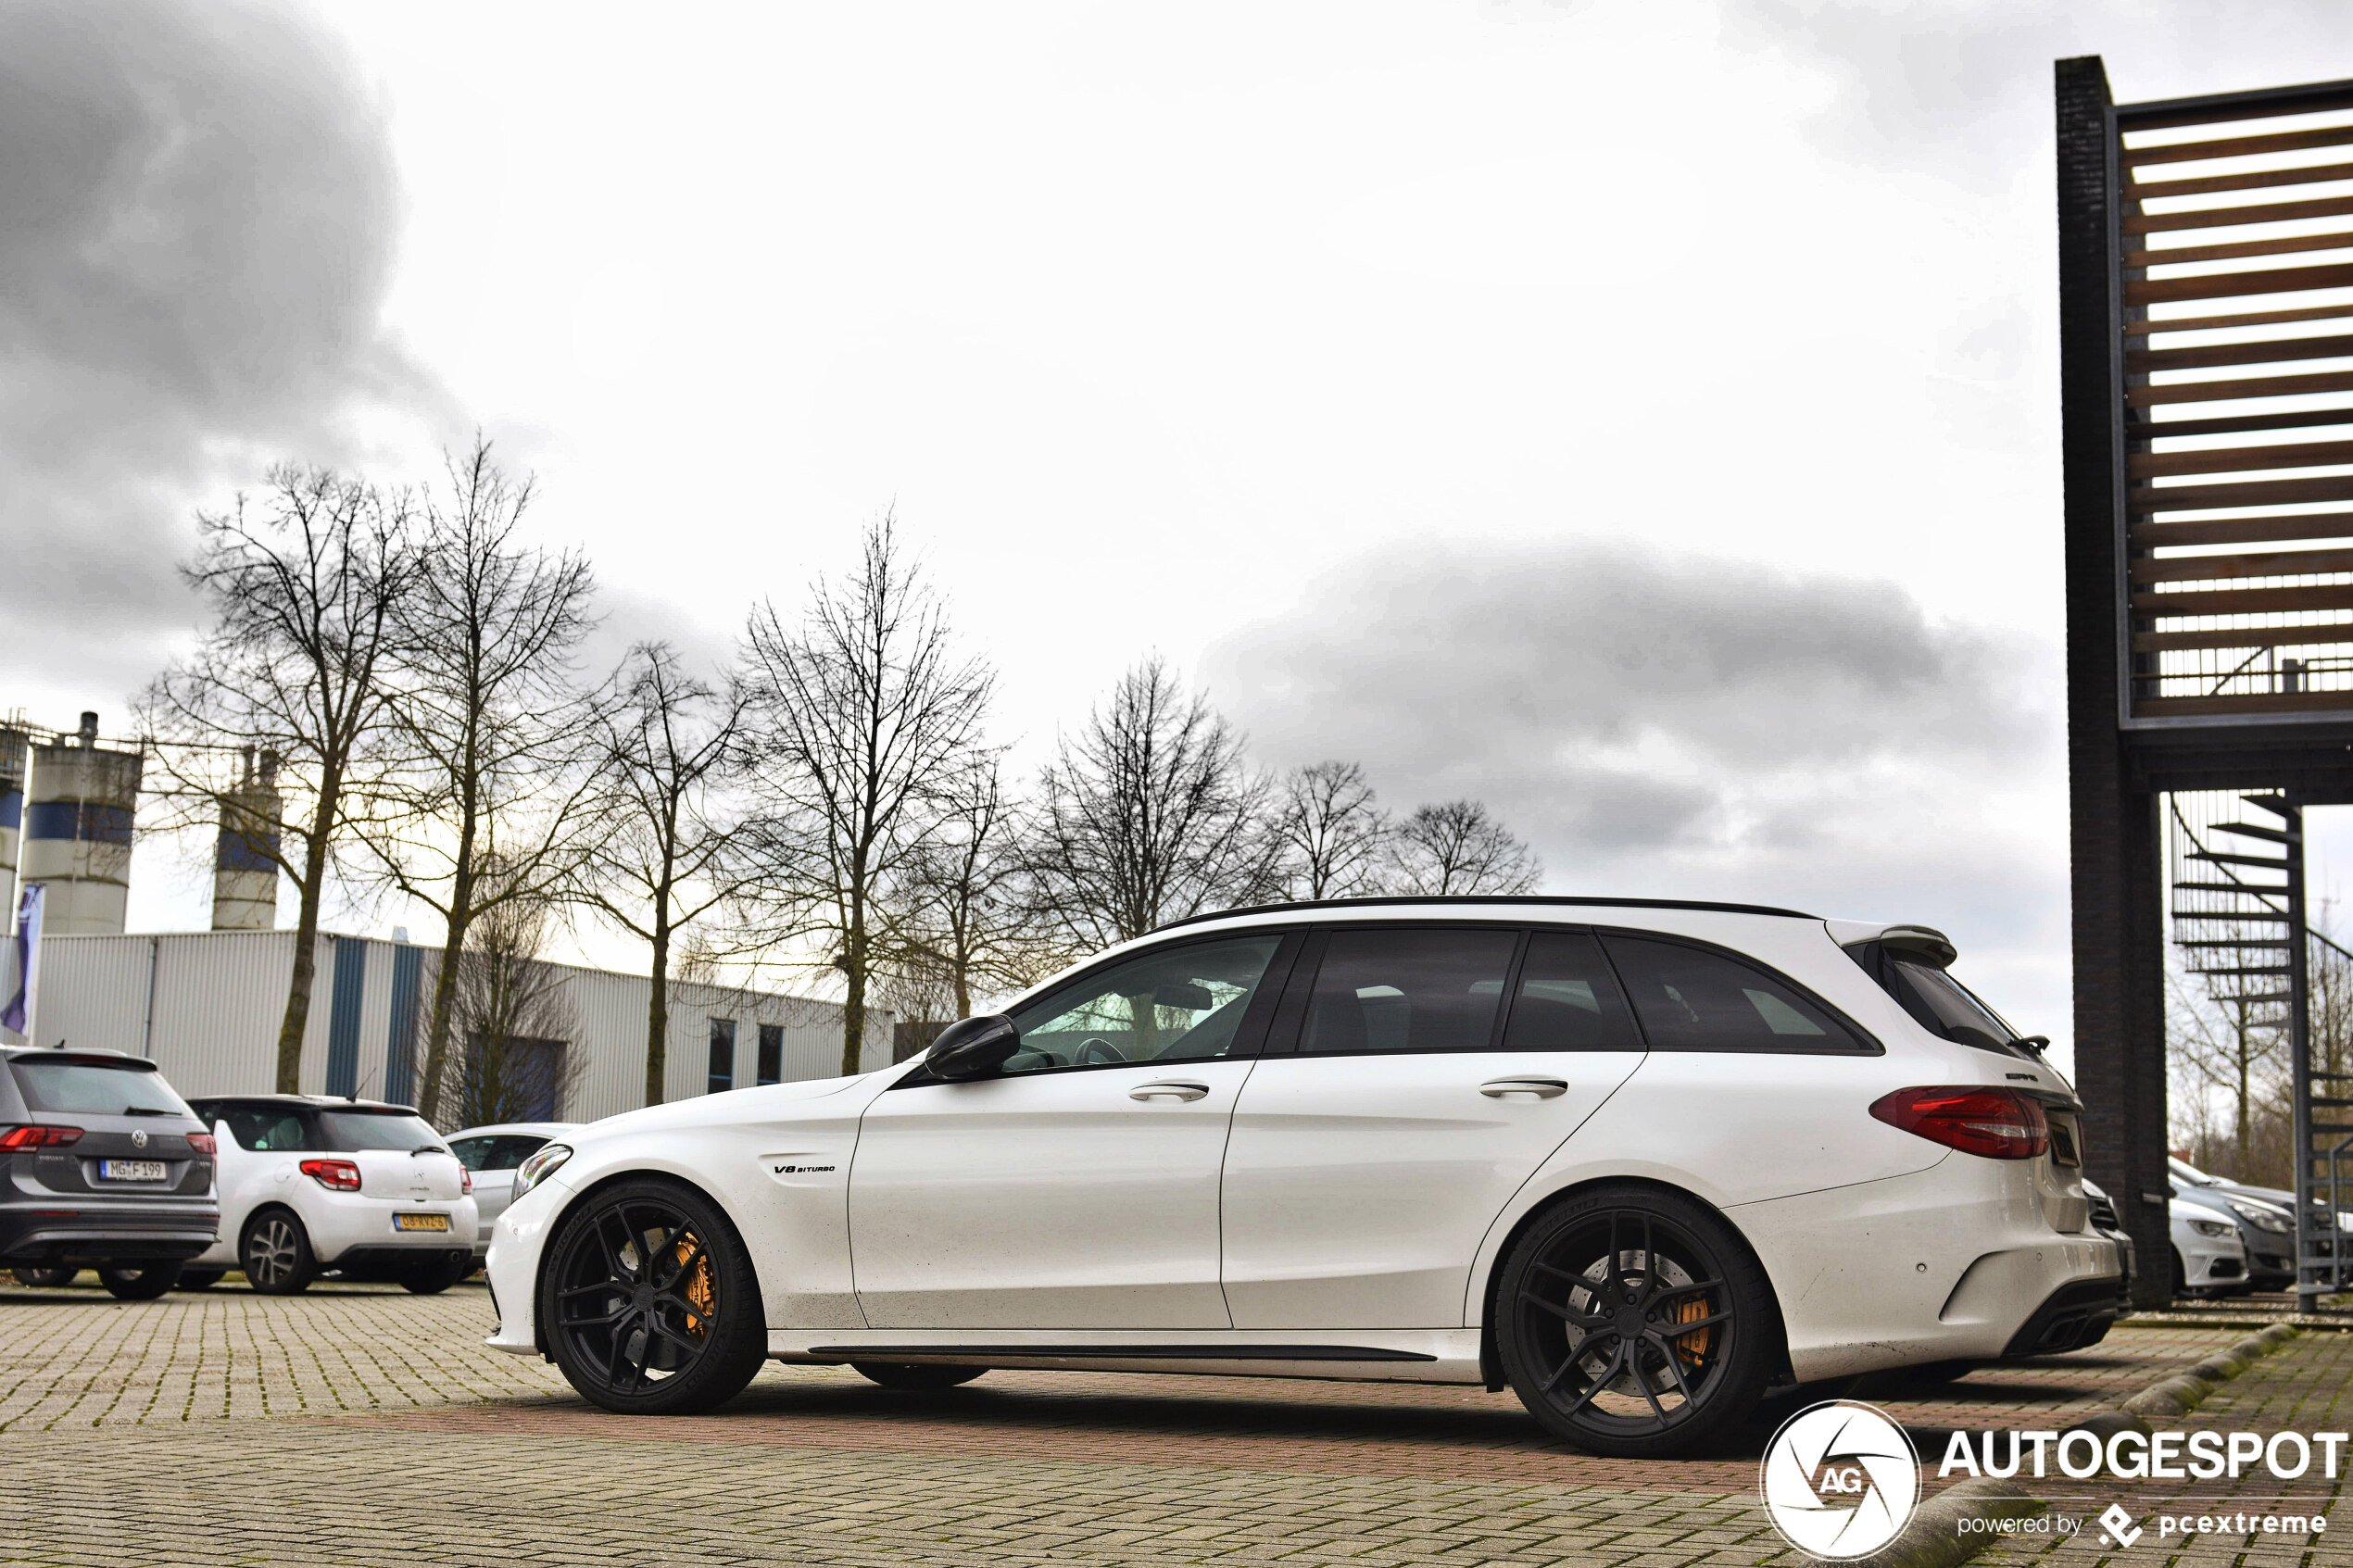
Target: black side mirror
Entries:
(971, 1047)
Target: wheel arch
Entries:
(1491, 1364)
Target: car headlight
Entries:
(540, 1166)
(2262, 1219)
(2212, 1227)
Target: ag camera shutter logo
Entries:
(1840, 1480)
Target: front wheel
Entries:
(650, 1301)
(138, 1281)
(276, 1255)
(914, 1376)
(1633, 1323)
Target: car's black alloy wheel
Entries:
(914, 1376)
(649, 1301)
(138, 1281)
(1632, 1321)
(275, 1254)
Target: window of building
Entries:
(723, 1056)
(771, 1053)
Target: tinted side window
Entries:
(1692, 999)
(1568, 1000)
(504, 1152)
(1433, 990)
(1177, 1004)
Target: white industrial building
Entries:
(206, 1006)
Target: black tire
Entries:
(649, 1302)
(915, 1376)
(46, 1279)
(1634, 1322)
(431, 1279)
(275, 1254)
(199, 1279)
(138, 1281)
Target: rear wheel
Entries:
(198, 1279)
(1632, 1321)
(651, 1302)
(914, 1376)
(138, 1281)
(431, 1279)
(276, 1255)
(45, 1279)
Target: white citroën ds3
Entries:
(1637, 1160)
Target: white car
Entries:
(1637, 1160)
(2209, 1257)
(491, 1156)
(311, 1183)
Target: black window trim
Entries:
(1871, 1044)
(1250, 1036)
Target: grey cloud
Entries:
(1662, 725)
(198, 212)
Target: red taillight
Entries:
(465, 1182)
(1997, 1123)
(38, 1137)
(202, 1143)
(336, 1175)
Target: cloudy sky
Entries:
(1638, 413)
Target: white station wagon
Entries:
(1636, 1161)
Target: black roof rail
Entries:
(1498, 899)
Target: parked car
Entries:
(1637, 1160)
(2266, 1231)
(309, 1183)
(108, 1168)
(2209, 1257)
(492, 1155)
(2327, 1221)
(2105, 1221)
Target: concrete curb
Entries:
(1935, 1538)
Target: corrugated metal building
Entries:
(206, 1006)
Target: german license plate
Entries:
(421, 1222)
(2063, 1142)
(132, 1170)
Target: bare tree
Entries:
(294, 665)
(513, 1015)
(960, 926)
(668, 849)
(2229, 1046)
(487, 765)
(862, 716)
(1457, 849)
(1336, 837)
(1148, 815)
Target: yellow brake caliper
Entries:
(700, 1291)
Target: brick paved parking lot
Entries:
(356, 1425)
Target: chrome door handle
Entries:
(1170, 1088)
(1542, 1088)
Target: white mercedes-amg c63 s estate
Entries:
(1636, 1161)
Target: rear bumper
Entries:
(99, 1232)
(391, 1262)
(2073, 1317)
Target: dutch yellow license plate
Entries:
(421, 1222)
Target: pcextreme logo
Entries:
(1840, 1480)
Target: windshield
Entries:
(100, 1087)
(2189, 1173)
(343, 1132)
